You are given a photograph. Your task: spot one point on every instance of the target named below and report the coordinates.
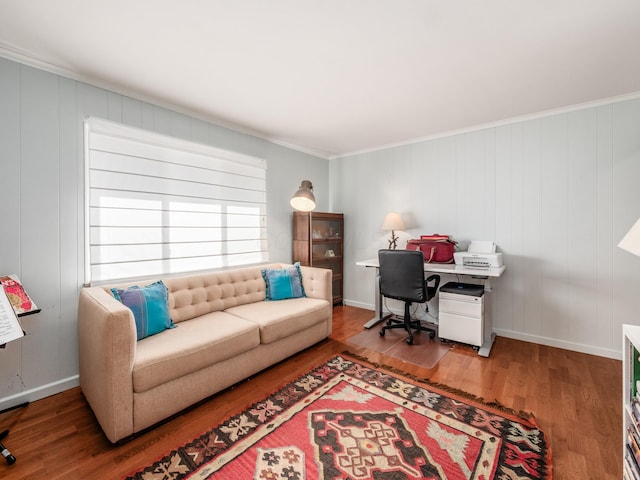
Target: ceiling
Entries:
(333, 77)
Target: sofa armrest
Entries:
(317, 283)
(106, 351)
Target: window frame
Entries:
(182, 164)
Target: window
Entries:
(158, 205)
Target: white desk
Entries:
(484, 274)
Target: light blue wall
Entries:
(42, 228)
(555, 193)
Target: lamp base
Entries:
(393, 241)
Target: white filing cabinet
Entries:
(461, 314)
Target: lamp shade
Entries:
(304, 199)
(392, 221)
(631, 241)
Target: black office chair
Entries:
(402, 278)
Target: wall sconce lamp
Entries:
(303, 199)
(393, 222)
(631, 241)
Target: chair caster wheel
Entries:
(409, 340)
(432, 335)
(382, 333)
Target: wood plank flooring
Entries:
(576, 399)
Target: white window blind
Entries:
(159, 205)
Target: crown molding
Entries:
(499, 123)
(23, 58)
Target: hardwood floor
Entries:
(576, 399)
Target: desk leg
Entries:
(485, 349)
(489, 336)
(378, 316)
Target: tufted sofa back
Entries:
(195, 295)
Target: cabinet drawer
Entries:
(460, 328)
(468, 308)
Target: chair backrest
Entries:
(402, 275)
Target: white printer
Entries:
(480, 254)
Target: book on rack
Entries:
(635, 412)
(10, 328)
(634, 376)
(634, 442)
(20, 300)
(630, 469)
(631, 466)
(633, 450)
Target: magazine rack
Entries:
(14, 303)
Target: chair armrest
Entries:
(106, 352)
(434, 278)
(432, 291)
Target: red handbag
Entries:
(435, 248)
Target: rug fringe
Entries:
(456, 391)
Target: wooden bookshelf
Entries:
(318, 241)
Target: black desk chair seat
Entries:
(402, 278)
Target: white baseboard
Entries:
(39, 392)
(365, 306)
(553, 342)
(525, 337)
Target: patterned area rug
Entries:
(347, 420)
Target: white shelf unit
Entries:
(630, 370)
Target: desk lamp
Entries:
(393, 222)
(304, 199)
(631, 241)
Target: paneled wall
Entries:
(555, 193)
(42, 227)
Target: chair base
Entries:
(408, 325)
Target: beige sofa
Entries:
(225, 331)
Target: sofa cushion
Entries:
(149, 305)
(191, 346)
(283, 283)
(281, 319)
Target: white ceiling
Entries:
(333, 77)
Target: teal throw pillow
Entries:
(150, 307)
(283, 283)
